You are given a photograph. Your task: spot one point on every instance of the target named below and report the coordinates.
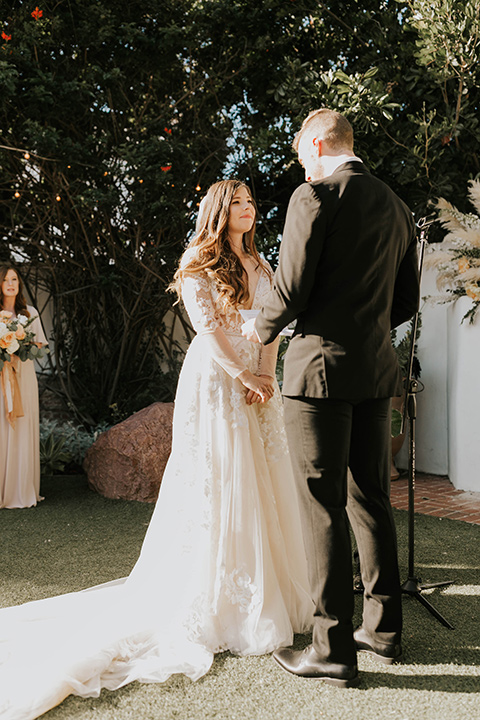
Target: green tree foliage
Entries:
(117, 114)
(407, 75)
(110, 126)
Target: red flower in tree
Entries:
(168, 131)
(5, 36)
(165, 168)
(37, 13)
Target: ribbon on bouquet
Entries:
(11, 392)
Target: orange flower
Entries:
(463, 265)
(165, 168)
(37, 13)
(473, 291)
(5, 314)
(20, 333)
(7, 340)
(5, 36)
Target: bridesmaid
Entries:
(20, 444)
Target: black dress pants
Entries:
(326, 437)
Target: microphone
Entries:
(426, 221)
(430, 229)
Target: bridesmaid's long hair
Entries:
(210, 252)
(20, 302)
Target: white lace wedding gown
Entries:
(222, 566)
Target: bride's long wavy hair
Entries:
(210, 252)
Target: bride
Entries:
(222, 566)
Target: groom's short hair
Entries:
(328, 125)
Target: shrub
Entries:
(63, 445)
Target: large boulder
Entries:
(127, 461)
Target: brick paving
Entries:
(435, 495)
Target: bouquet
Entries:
(17, 340)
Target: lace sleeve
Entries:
(198, 301)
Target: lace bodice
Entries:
(222, 330)
(200, 298)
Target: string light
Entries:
(198, 188)
(58, 198)
(17, 194)
(26, 156)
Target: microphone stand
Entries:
(413, 585)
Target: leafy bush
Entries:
(396, 423)
(63, 445)
(52, 455)
(403, 346)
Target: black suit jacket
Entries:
(348, 272)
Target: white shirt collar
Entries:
(332, 162)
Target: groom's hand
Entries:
(249, 332)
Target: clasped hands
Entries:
(259, 387)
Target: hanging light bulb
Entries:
(26, 156)
(17, 194)
(58, 198)
(198, 188)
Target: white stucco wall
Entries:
(448, 424)
(463, 395)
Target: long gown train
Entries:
(222, 566)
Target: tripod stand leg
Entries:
(417, 595)
(429, 586)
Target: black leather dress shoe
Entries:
(386, 654)
(305, 663)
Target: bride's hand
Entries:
(257, 385)
(252, 397)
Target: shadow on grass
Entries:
(397, 681)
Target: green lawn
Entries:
(75, 538)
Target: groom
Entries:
(347, 273)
